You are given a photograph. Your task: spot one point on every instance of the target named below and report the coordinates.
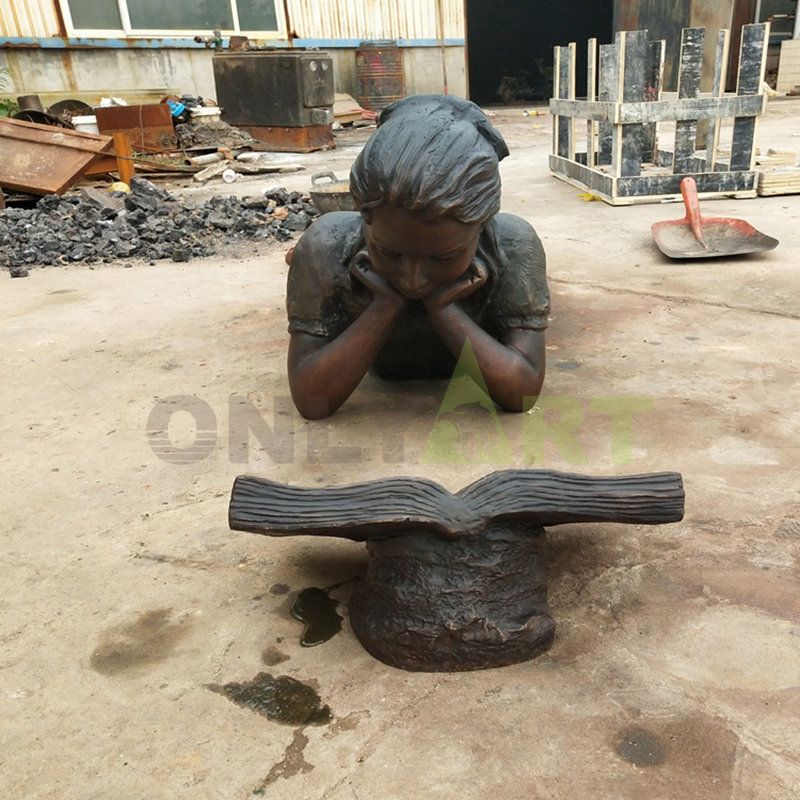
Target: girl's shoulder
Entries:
(319, 276)
(509, 242)
(511, 231)
(331, 240)
(519, 297)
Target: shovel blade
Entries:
(722, 236)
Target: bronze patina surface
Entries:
(454, 581)
(423, 266)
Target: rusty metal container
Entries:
(285, 139)
(283, 98)
(269, 88)
(149, 127)
(380, 73)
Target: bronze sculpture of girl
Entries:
(425, 264)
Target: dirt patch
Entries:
(150, 638)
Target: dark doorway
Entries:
(510, 45)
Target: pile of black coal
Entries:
(98, 226)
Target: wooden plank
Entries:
(599, 111)
(676, 197)
(606, 92)
(752, 58)
(744, 137)
(346, 109)
(633, 190)
(783, 180)
(556, 94)
(633, 91)
(654, 74)
(564, 144)
(591, 96)
(566, 90)
(691, 66)
(716, 182)
(665, 158)
(124, 154)
(110, 163)
(752, 61)
(42, 159)
(572, 49)
(35, 133)
(580, 185)
(691, 109)
(619, 81)
(582, 176)
(718, 90)
(661, 110)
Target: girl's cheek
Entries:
(390, 274)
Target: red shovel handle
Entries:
(690, 200)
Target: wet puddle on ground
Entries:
(281, 699)
(640, 747)
(317, 611)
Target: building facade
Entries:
(145, 49)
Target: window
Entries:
(100, 14)
(98, 18)
(780, 14)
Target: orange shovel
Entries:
(696, 236)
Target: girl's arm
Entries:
(513, 370)
(322, 373)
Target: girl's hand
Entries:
(382, 291)
(472, 280)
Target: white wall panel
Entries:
(376, 19)
(28, 18)
(310, 19)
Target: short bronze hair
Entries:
(435, 155)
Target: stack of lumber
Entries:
(778, 173)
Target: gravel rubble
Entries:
(96, 226)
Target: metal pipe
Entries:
(209, 158)
(440, 20)
(287, 19)
(796, 32)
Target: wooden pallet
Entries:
(780, 180)
(623, 109)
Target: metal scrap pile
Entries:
(149, 223)
(212, 134)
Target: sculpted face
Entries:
(417, 256)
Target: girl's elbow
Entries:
(310, 404)
(523, 397)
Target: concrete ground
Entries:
(676, 666)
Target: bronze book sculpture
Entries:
(454, 581)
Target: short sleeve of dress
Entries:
(319, 273)
(521, 298)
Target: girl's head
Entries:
(433, 155)
(426, 183)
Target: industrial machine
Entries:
(281, 97)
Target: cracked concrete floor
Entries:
(676, 667)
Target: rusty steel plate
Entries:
(42, 159)
(149, 127)
(292, 140)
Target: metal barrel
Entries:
(380, 74)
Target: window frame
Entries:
(128, 32)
